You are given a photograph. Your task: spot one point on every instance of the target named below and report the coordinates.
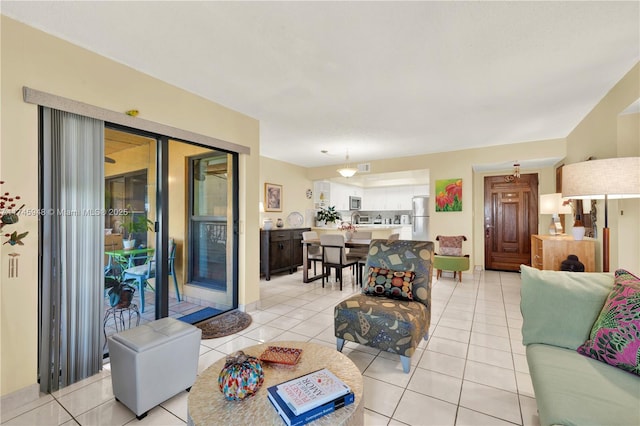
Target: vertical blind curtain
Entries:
(72, 185)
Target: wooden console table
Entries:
(280, 250)
(548, 251)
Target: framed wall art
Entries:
(272, 197)
(449, 195)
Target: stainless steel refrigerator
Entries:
(420, 219)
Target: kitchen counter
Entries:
(363, 227)
(378, 226)
(377, 231)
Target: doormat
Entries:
(200, 315)
(224, 324)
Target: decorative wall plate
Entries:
(295, 219)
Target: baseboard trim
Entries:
(17, 399)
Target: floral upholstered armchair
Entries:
(393, 312)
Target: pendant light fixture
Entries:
(347, 171)
(516, 174)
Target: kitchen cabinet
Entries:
(321, 193)
(340, 195)
(112, 242)
(548, 251)
(392, 197)
(334, 194)
(374, 199)
(280, 250)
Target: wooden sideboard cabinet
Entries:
(280, 250)
(548, 251)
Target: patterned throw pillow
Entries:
(388, 283)
(450, 246)
(615, 336)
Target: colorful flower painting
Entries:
(449, 195)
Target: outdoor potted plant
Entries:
(328, 216)
(133, 224)
(120, 293)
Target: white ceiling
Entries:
(383, 79)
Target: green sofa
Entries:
(558, 310)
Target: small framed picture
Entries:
(272, 197)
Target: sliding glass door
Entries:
(211, 216)
(168, 229)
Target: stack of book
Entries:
(306, 398)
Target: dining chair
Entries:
(359, 254)
(334, 256)
(314, 253)
(142, 273)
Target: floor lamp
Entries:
(612, 178)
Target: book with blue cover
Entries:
(311, 390)
(293, 420)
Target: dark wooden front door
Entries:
(510, 217)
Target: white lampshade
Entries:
(564, 208)
(553, 204)
(347, 171)
(613, 177)
(261, 207)
(609, 179)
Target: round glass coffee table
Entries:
(207, 405)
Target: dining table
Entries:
(124, 258)
(352, 243)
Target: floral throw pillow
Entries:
(450, 246)
(615, 336)
(388, 283)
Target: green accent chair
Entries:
(391, 325)
(450, 257)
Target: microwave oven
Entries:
(355, 203)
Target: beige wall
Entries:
(628, 211)
(460, 164)
(34, 59)
(598, 135)
(294, 183)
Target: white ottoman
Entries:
(153, 362)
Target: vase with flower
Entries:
(349, 229)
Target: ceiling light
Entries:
(516, 173)
(347, 171)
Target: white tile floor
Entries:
(472, 371)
